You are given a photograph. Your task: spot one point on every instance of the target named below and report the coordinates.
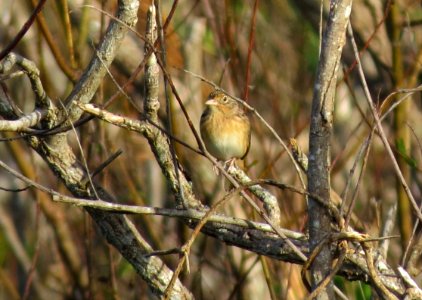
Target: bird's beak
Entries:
(211, 102)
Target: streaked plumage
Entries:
(225, 128)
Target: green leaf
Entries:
(363, 291)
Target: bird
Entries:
(225, 128)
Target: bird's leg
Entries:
(226, 165)
(229, 163)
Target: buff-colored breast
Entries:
(226, 136)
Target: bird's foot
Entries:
(226, 165)
(229, 163)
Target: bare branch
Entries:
(319, 226)
(23, 123)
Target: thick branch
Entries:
(319, 139)
(88, 84)
(60, 157)
(261, 240)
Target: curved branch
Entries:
(59, 156)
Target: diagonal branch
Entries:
(59, 156)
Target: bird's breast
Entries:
(226, 137)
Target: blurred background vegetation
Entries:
(212, 39)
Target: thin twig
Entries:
(14, 190)
(191, 214)
(164, 252)
(250, 49)
(380, 128)
(386, 294)
(85, 163)
(23, 30)
(323, 284)
(415, 226)
(104, 164)
(362, 171)
(68, 32)
(161, 38)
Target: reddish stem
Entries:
(250, 48)
(23, 30)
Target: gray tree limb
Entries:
(333, 40)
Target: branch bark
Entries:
(58, 154)
(261, 239)
(257, 237)
(319, 140)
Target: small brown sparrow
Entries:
(225, 128)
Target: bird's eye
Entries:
(225, 99)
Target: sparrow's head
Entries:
(222, 102)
